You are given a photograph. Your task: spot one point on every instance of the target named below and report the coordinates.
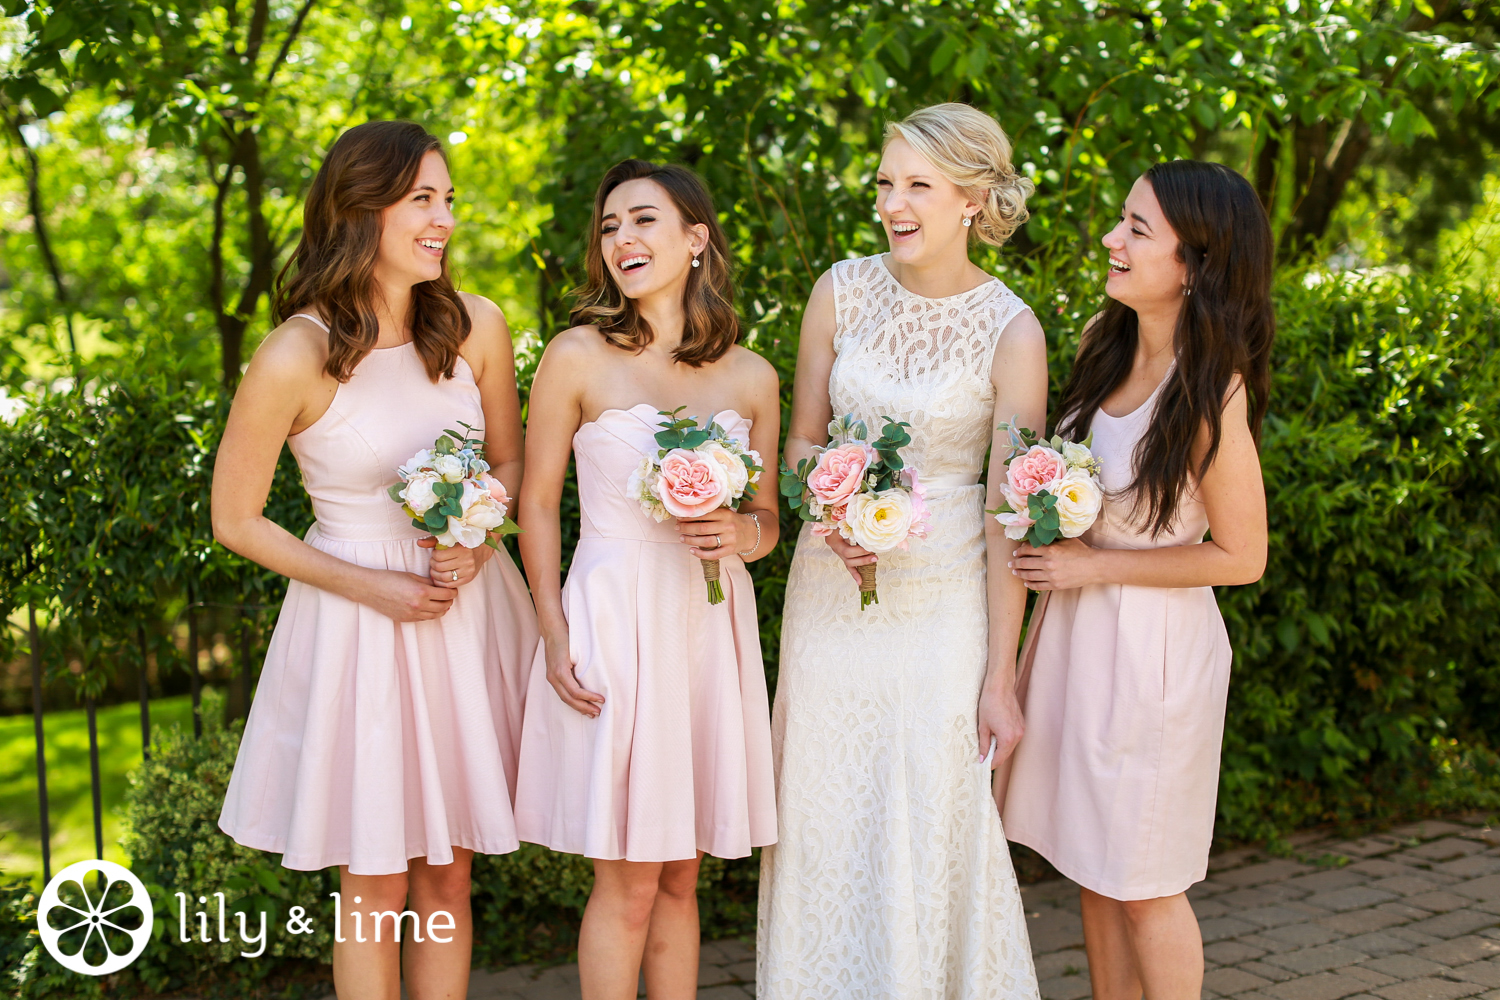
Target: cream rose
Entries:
(450, 467)
(735, 472)
(1078, 502)
(418, 462)
(879, 522)
(481, 514)
(1076, 455)
(418, 492)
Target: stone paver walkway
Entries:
(1411, 914)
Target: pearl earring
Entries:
(695, 261)
(968, 221)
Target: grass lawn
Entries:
(72, 812)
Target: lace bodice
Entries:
(925, 361)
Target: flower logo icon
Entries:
(90, 925)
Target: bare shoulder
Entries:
(749, 365)
(486, 319)
(577, 344)
(1023, 332)
(1236, 399)
(295, 351)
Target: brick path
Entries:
(1411, 914)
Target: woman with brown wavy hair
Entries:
(647, 736)
(1126, 674)
(384, 735)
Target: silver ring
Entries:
(455, 576)
(718, 542)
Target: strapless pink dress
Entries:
(372, 741)
(679, 760)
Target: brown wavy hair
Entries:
(711, 327)
(370, 168)
(1225, 328)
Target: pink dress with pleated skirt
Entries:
(1124, 690)
(372, 741)
(679, 759)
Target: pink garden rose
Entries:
(921, 514)
(1036, 470)
(836, 517)
(691, 485)
(838, 473)
(496, 488)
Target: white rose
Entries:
(418, 492)
(639, 488)
(418, 462)
(879, 522)
(1076, 455)
(481, 513)
(1078, 502)
(734, 469)
(450, 467)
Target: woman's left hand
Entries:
(1066, 564)
(452, 568)
(719, 533)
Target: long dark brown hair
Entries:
(1225, 329)
(371, 167)
(711, 327)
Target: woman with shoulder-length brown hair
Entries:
(1126, 674)
(383, 738)
(647, 736)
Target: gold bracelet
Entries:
(756, 518)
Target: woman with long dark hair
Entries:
(1126, 671)
(647, 741)
(384, 734)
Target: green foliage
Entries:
(109, 529)
(175, 845)
(1367, 683)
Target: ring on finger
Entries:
(718, 542)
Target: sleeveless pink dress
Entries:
(679, 759)
(372, 741)
(1124, 690)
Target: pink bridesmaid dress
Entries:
(1124, 690)
(679, 759)
(372, 741)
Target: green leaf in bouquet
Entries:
(791, 486)
(394, 491)
(435, 520)
(1042, 534)
(794, 502)
(420, 524)
(444, 446)
(692, 439)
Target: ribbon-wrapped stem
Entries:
(867, 593)
(711, 575)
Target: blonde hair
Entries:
(969, 148)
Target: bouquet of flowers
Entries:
(697, 470)
(863, 491)
(1051, 488)
(448, 490)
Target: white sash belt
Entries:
(949, 482)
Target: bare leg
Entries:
(672, 941)
(615, 925)
(1168, 947)
(437, 970)
(1106, 938)
(367, 970)
(1137, 947)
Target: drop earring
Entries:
(968, 222)
(695, 260)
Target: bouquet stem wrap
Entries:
(711, 577)
(868, 595)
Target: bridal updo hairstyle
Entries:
(370, 168)
(1225, 328)
(971, 150)
(711, 326)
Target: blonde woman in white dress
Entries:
(891, 878)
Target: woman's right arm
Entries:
(283, 383)
(553, 417)
(812, 408)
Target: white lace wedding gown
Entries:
(891, 877)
